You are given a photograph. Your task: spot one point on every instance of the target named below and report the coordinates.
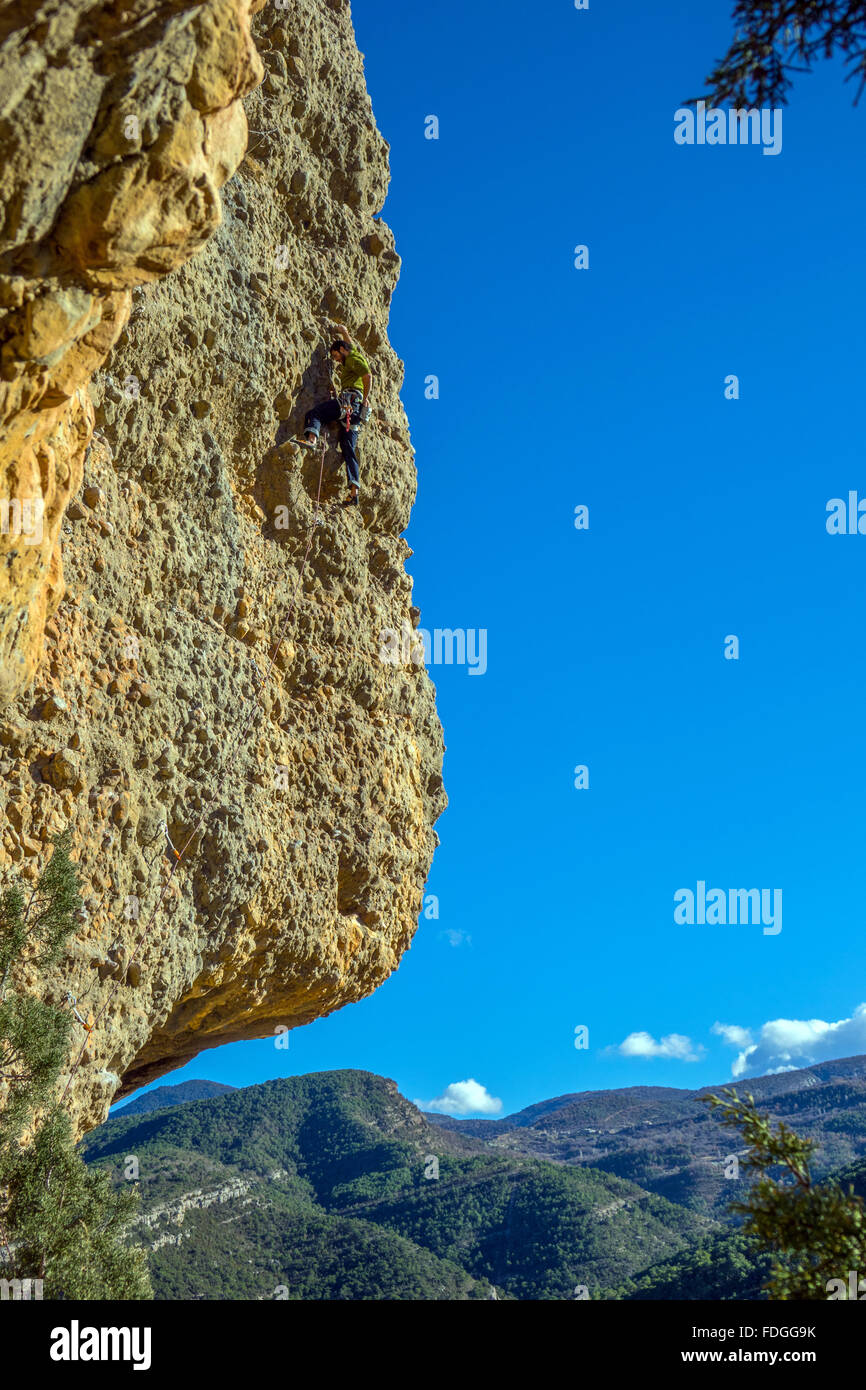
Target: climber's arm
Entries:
(343, 332)
(367, 381)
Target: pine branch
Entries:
(776, 38)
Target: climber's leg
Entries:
(348, 446)
(325, 413)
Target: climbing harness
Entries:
(351, 400)
(179, 855)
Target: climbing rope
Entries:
(178, 855)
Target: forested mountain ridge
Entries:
(334, 1186)
(666, 1140)
(162, 1096)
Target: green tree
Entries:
(60, 1221)
(814, 1233)
(775, 38)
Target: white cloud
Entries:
(463, 1098)
(733, 1034)
(673, 1045)
(787, 1043)
(456, 938)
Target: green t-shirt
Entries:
(353, 371)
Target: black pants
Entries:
(333, 412)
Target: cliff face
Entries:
(118, 124)
(149, 697)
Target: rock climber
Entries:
(350, 409)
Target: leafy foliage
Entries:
(296, 1252)
(719, 1267)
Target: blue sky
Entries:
(605, 387)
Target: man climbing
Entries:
(350, 409)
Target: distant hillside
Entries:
(325, 1187)
(665, 1140)
(719, 1267)
(182, 1094)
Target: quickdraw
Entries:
(87, 1024)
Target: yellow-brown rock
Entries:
(196, 687)
(118, 126)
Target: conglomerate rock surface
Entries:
(170, 672)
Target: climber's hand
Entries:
(366, 412)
